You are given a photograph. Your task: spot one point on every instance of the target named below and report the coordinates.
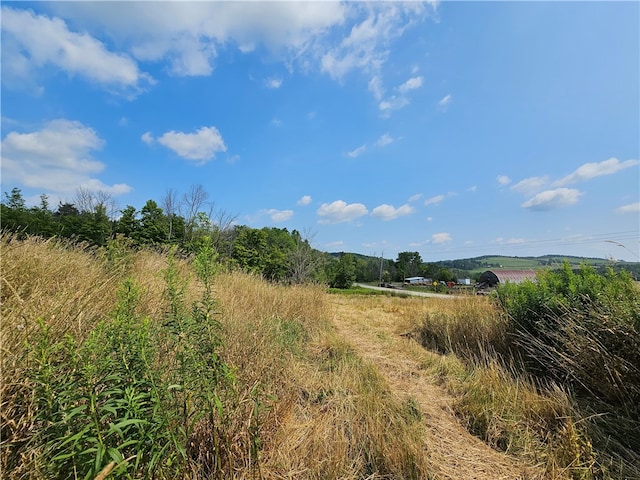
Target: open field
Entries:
(151, 366)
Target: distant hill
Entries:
(470, 267)
(485, 262)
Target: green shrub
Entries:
(582, 330)
(580, 327)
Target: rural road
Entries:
(410, 292)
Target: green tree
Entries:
(342, 273)
(13, 213)
(153, 224)
(409, 264)
(128, 224)
(444, 275)
(249, 249)
(42, 218)
(96, 227)
(68, 219)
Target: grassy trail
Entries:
(374, 328)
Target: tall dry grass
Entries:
(300, 404)
(540, 419)
(64, 287)
(330, 415)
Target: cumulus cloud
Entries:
(305, 200)
(279, 215)
(630, 208)
(55, 159)
(592, 170)
(439, 238)
(33, 43)
(503, 180)
(357, 152)
(434, 200)
(550, 199)
(385, 139)
(201, 145)
(529, 186)
(411, 84)
(147, 138)
(339, 212)
(389, 212)
(188, 35)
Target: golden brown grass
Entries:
(303, 404)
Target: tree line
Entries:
(190, 220)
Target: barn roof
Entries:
(491, 277)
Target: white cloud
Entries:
(376, 88)
(339, 212)
(188, 35)
(279, 215)
(393, 103)
(385, 139)
(147, 138)
(412, 84)
(503, 180)
(273, 83)
(415, 198)
(357, 152)
(445, 101)
(366, 47)
(511, 241)
(530, 185)
(336, 244)
(305, 200)
(439, 238)
(434, 200)
(56, 159)
(551, 199)
(34, 42)
(389, 212)
(630, 208)
(592, 170)
(473, 189)
(201, 145)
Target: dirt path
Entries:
(372, 329)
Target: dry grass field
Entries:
(185, 374)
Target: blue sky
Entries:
(454, 129)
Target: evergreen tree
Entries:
(154, 227)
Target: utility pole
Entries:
(381, 257)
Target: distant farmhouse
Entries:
(491, 278)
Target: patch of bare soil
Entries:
(374, 330)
